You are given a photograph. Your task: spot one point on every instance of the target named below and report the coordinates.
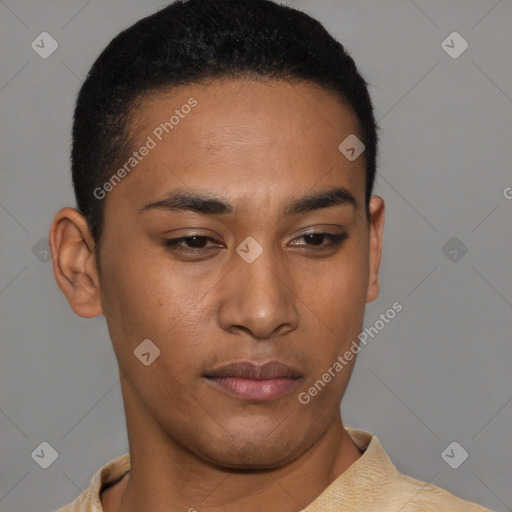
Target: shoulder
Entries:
(90, 500)
(415, 495)
(379, 483)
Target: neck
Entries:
(165, 476)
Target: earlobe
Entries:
(74, 262)
(376, 208)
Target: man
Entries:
(223, 161)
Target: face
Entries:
(252, 269)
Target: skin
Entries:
(257, 145)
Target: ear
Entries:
(74, 262)
(376, 208)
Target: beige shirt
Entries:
(372, 483)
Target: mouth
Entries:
(250, 381)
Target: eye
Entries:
(197, 244)
(194, 244)
(315, 240)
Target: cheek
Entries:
(143, 297)
(336, 290)
(144, 285)
(335, 302)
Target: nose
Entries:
(258, 298)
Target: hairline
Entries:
(132, 129)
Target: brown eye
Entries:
(315, 240)
(188, 244)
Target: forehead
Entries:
(242, 138)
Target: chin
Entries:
(252, 461)
(250, 455)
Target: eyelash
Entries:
(172, 243)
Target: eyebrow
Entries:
(181, 200)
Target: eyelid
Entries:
(335, 241)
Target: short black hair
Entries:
(190, 41)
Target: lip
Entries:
(256, 382)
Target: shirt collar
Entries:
(367, 474)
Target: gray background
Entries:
(439, 372)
